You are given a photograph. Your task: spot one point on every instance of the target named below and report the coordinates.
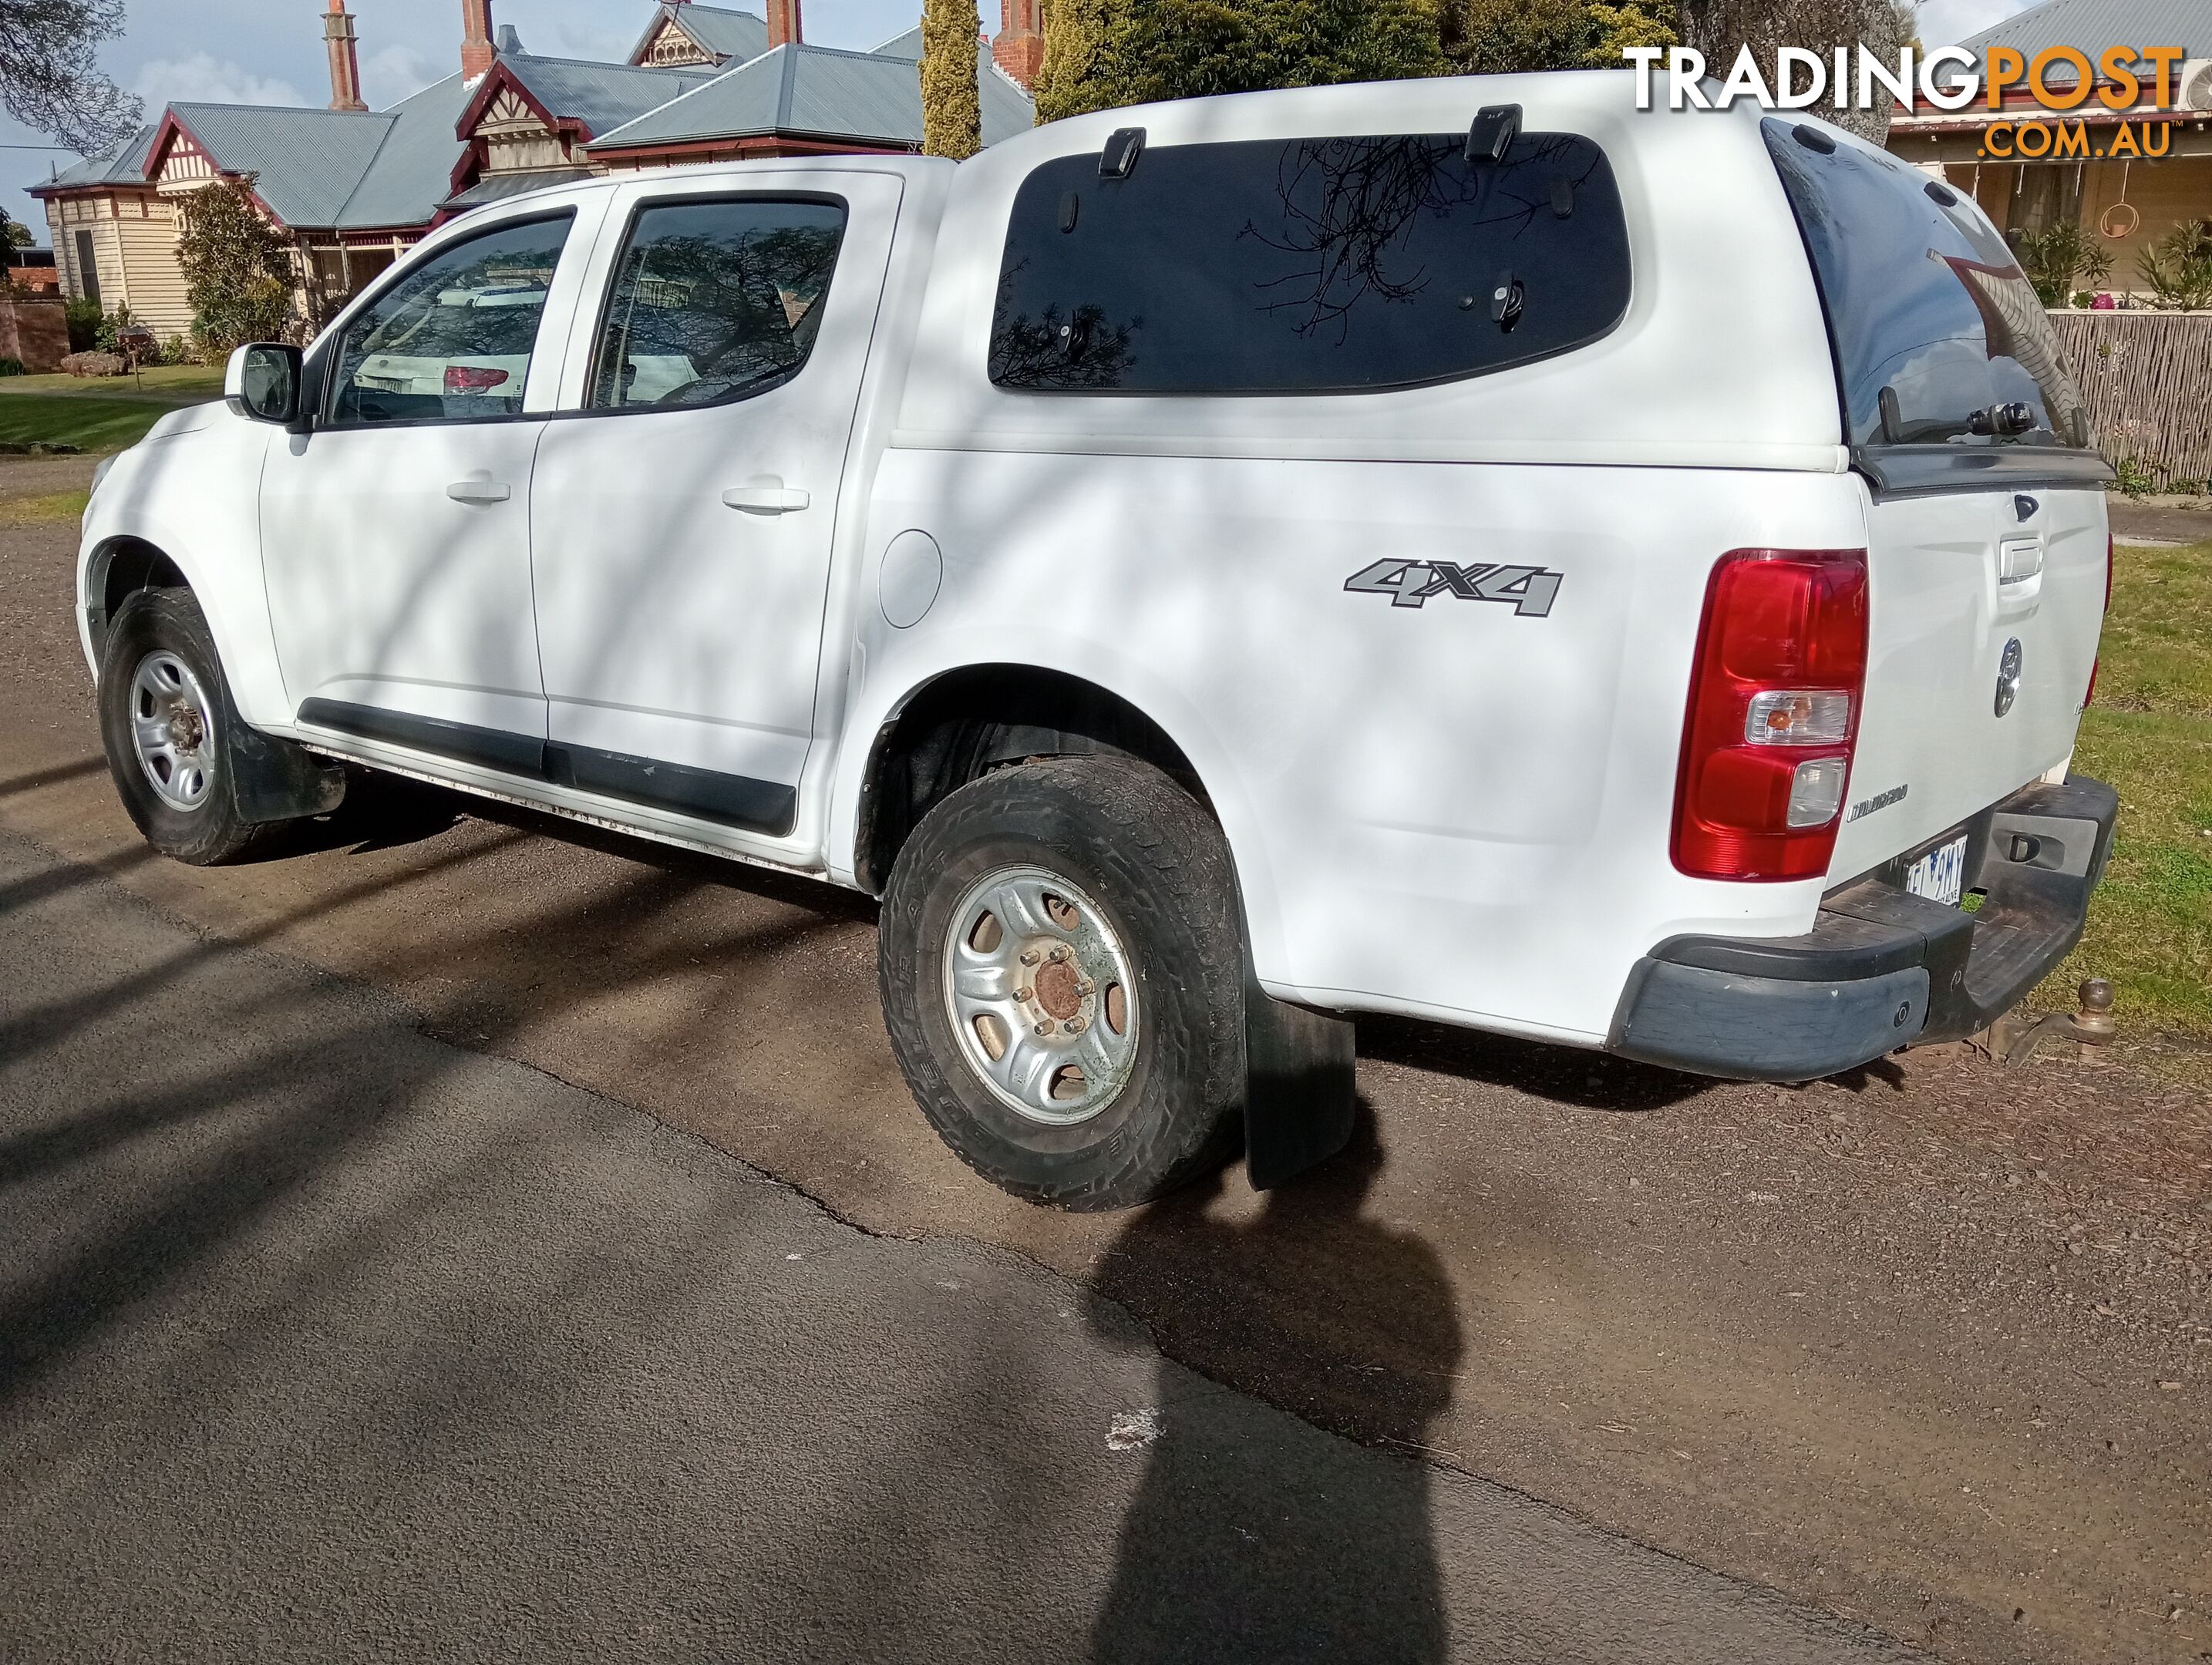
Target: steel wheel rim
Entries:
(1044, 1008)
(172, 730)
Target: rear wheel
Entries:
(1061, 970)
(166, 717)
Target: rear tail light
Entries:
(1774, 712)
(472, 378)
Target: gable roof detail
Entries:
(816, 92)
(596, 97)
(719, 32)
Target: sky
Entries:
(271, 51)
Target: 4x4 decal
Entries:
(1411, 583)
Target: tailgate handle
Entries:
(2019, 559)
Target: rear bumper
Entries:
(1880, 969)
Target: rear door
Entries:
(683, 512)
(1986, 511)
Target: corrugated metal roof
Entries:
(818, 92)
(126, 162)
(602, 96)
(498, 188)
(728, 34)
(305, 162)
(907, 46)
(2090, 25)
(414, 167)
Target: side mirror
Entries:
(262, 381)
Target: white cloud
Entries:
(398, 72)
(1945, 22)
(203, 78)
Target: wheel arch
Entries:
(963, 722)
(117, 569)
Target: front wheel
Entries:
(166, 717)
(1062, 976)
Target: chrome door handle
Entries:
(479, 491)
(765, 499)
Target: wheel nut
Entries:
(1025, 994)
(1084, 985)
(1029, 957)
(1058, 955)
(1044, 1028)
(1074, 1026)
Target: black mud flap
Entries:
(1299, 1103)
(275, 780)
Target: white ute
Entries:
(1460, 548)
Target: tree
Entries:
(1721, 29)
(48, 77)
(951, 118)
(1101, 54)
(238, 272)
(2055, 256)
(15, 237)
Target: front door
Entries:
(395, 535)
(684, 513)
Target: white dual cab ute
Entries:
(1465, 548)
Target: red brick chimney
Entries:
(1019, 49)
(476, 51)
(345, 61)
(783, 24)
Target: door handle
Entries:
(765, 499)
(479, 491)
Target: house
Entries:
(352, 189)
(2126, 202)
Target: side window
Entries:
(452, 340)
(1307, 266)
(713, 301)
(1938, 334)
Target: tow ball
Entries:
(2013, 1037)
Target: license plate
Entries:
(1940, 873)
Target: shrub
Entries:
(11, 366)
(96, 364)
(2178, 268)
(176, 350)
(84, 320)
(2055, 257)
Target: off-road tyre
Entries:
(1157, 866)
(169, 621)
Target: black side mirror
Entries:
(263, 382)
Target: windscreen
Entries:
(1940, 339)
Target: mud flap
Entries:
(1299, 1103)
(274, 779)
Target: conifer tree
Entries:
(951, 118)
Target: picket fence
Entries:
(2148, 377)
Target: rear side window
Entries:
(1940, 339)
(714, 301)
(1308, 266)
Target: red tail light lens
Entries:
(472, 378)
(1774, 713)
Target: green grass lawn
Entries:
(173, 384)
(2149, 733)
(103, 413)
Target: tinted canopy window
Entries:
(1940, 339)
(1318, 265)
(714, 300)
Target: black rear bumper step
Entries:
(1880, 969)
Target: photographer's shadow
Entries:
(1286, 1543)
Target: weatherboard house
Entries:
(353, 188)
